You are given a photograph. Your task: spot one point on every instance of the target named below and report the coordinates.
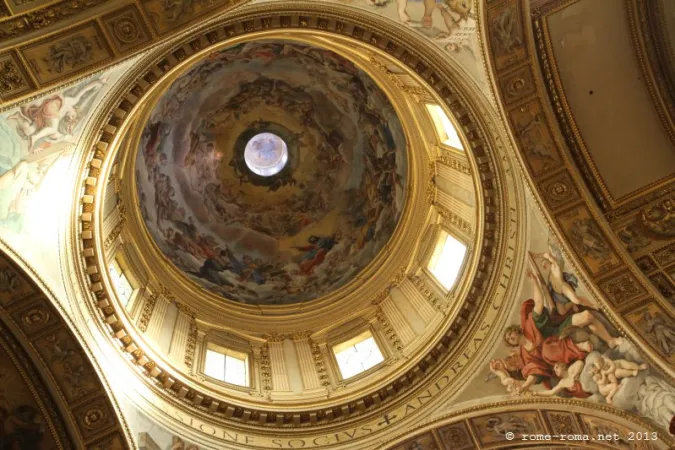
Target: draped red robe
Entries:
(546, 351)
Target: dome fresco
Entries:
(330, 181)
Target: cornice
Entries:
(430, 68)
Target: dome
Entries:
(272, 172)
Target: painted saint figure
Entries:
(539, 338)
(316, 252)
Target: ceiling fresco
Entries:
(292, 236)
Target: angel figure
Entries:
(55, 117)
(569, 380)
(607, 373)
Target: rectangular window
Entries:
(121, 283)
(357, 355)
(447, 260)
(226, 365)
(447, 133)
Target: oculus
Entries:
(266, 154)
(272, 172)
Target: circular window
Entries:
(266, 154)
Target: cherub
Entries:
(512, 385)
(569, 380)
(619, 368)
(607, 372)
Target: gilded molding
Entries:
(296, 17)
(191, 344)
(148, 308)
(576, 222)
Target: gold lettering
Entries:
(351, 436)
(321, 437)
(227, 435)
(291, 445)
(424, 397)
(438, 383)
(201, 428)
(476, 342)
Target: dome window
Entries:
(121, 283)
(226, 365)
(447, 260)
(357, 355)
(446, 131)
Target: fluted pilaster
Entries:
(181, 333)
(398, 322)
(278, 364)
(417, 300)
(156, 319)
(310, 377)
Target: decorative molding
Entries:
(304, 16)
(148, 308)
(453, 219)
(320, 365)
(54, 364)
(191, 344)
(126, 34)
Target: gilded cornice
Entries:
(471, 315)
(561, 194)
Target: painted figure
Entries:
(539, 340)
(568, 381)
(54, 118)
(660, 331)
(316, 252)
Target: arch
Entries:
(48, 377)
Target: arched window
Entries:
(357, 355)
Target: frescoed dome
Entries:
(272, 172)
